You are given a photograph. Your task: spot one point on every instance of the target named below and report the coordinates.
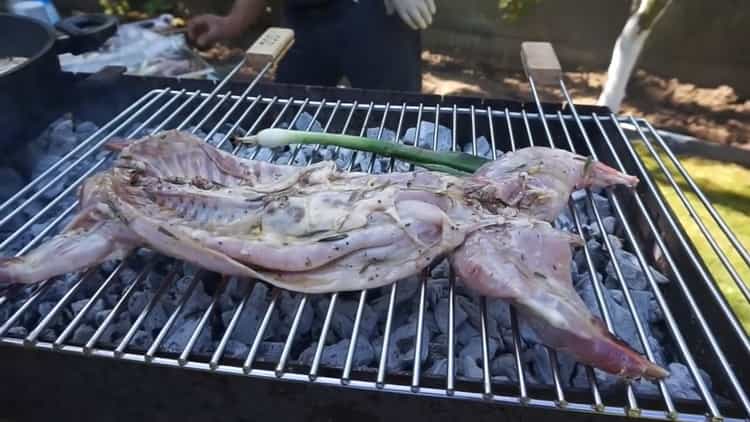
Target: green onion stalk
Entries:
(449, 162)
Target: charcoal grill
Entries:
(703, 327)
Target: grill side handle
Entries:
(540, 63)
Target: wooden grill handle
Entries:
(540, 63)
(270, 47)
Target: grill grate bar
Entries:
(77, 319)
(674, 329)
(693, 213)
(172, 318)
(91, 343)
(694, 308)
(694, 187)
(632, 406)
(484, 388)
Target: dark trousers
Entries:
(356, 40)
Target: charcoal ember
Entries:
(403, 341)
(269, 351)
(288, 306)
(440, 270)
(504, 365)
(442, 315)
(12, 182)
(436, 289)
(115, 331)
(82, 334)
(95, 307)
(179, 335)
(439, 368)
(610, 224)
(156, 319)
(498, 312)
(438, 347)
(305, 121)
(468, 368)
(18, 331)
(137, 303)
(427, 135)
(474, 348)
(483, 148)
(602, 205)
(334, 356)
(631, 270)
(680, 382)
(252, 314)
(141, 340)
(100, 316)
(197, 302)
(465, 332)
(236, 349)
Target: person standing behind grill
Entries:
(375, 44)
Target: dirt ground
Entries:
(710, 113)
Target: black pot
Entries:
(29, 91)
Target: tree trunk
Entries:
(627, 50)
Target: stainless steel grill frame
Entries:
(709, 333)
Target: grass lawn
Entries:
(727, 186)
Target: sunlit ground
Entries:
(727, 186)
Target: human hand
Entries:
(206, 30)
(415, 13)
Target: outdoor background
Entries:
(693, 78)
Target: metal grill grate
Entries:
(644, 216)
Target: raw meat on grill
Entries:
(317, 229)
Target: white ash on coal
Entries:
(469, 360)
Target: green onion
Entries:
(453, 162)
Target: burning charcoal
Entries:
(439, 368)
(156, 319)
(178, 337)
(305, 120)
(680, 383)
(631, 270)
(236, 349)
(646, 388)
(610, 224)
(249, 320)
(584, 279)
(48, 334)
(197, 302)
(499, 312)
(528, 335)
(441, 315)
(598, 256)
(11, 183)
(436, 289)
(474, 348)
(270, 351)
(335, 355)
(289, 308)
(468, 368)
(137, 302)
(427, 134)
(100, 316)
(115, 331)
(439, 347)
(403, 340)
(387, 135)
(602, 205)
(18, 331)
(82, 334)
(483, 148)
(405, 291)
(342, 321)
(505, 365)
(465, 332)
(141, 340)
(79, 304)
(539, 363)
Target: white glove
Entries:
(415, 13)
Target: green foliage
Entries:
(515, 9)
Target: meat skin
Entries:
(318, 230)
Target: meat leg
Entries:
(540, 180)
(70, 251)
(528, 265)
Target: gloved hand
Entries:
(415, 13)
